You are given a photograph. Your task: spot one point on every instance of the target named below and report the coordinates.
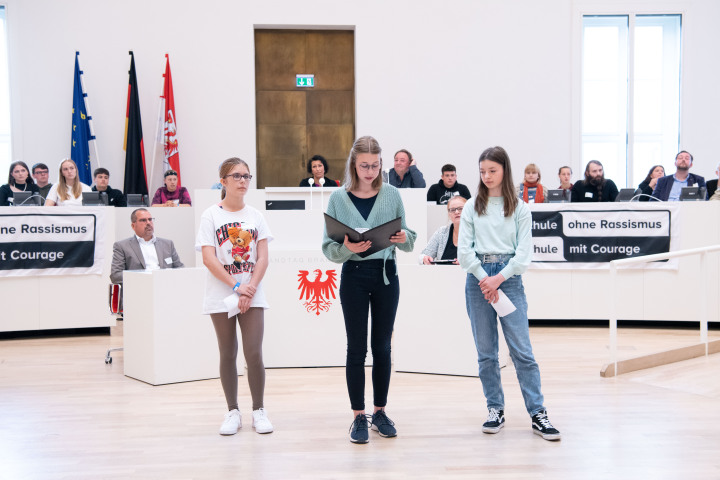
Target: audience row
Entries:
(68, 191)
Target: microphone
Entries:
(310, 181)
(322, 181)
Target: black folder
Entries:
(379, 236)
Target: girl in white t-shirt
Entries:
(233, 238)
(68, 190)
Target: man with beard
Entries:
(595, 187)
(668, 188)
(142, 251)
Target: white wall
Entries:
(443, 80)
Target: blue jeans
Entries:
(483, 320)
(363, 291)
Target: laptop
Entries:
(136, 200)
(94, 199)
(691, 194)
(558, 196)
(27, 199)
(625, 195)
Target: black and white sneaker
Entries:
(495, 421)
(384, 426)
(542, 426)
(359, 429)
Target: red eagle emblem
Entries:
(317, 293)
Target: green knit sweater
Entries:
(388, 206)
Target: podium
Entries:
(167, 338)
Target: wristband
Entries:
(235, 288)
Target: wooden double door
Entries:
(294, 123)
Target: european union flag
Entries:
(81, 135)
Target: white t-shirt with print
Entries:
(53, 195)
(238, 254)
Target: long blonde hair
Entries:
(62, 183)
(226, 167)
(365, 144)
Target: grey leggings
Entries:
(252, 325)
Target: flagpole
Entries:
(160, 125)
(90, 118)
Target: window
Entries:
(630, 93)
(5, 150)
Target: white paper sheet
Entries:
(503, 306)
(231, 302)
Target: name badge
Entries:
(588, 194)
(168, 261)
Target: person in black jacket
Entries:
(648, 185)
(19, 180)
(447, 187)
(318, 167)
(595, 187)
(102, 180)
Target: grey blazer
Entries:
(128, 256)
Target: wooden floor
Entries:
(65, 414)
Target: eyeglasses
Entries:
(146, 220)
(455, 210)
(369, 168)
(237, 177)
(40, 172)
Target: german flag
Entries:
(135, 177)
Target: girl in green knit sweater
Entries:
(368, 284)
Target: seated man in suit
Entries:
(142, 251)
(669, 187)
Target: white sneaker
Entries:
(261, 424)
(231, 423)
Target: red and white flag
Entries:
(165, 154)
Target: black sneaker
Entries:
(359, 429)
(383, 425)
(495, 421)
(542, 426)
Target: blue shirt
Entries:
(676, 189)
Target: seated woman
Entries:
(443, 243)
(648, 185)
(318, 167)
(531, 190)
(170, 195)
(68, 190)
(19, 180)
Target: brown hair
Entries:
(226, 167)
(499, 156)
(365, 144)
(62, 183)
(11, 179)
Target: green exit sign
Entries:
(304, 80)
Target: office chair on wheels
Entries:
(116, 308)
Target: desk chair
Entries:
(116, 309)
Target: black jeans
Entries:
(361, 289)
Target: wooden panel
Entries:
(331, 58)
(279, 56)
(333, 107)
(330, 141)
(282, 155)
(280, 108)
